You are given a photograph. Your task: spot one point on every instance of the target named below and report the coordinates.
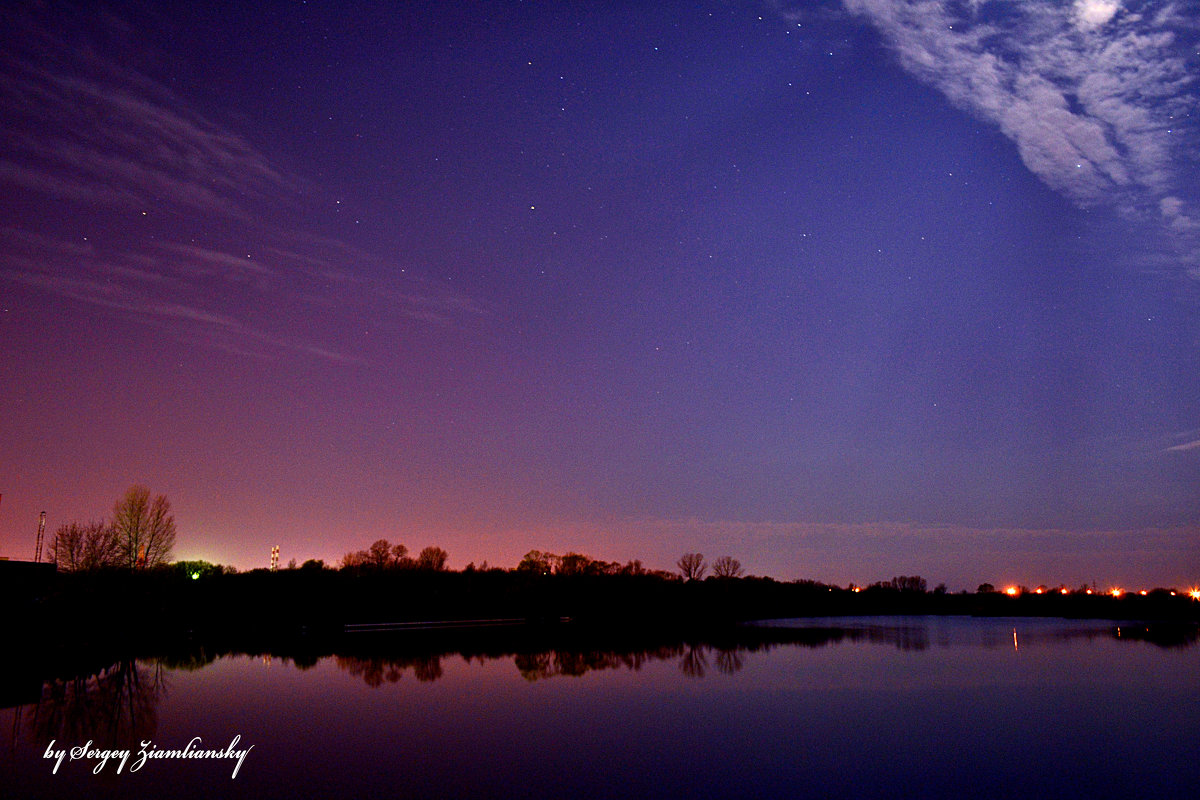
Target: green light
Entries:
(195, 576)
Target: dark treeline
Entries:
(204, 602)
(113, 582)
(132, 602)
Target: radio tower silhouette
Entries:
(37, 552)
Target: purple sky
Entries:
(845, 290)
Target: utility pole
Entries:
(37, 553)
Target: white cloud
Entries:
(1099, 102)
(1090, 14)
(1173, 212)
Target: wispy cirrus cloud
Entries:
(113, 144)
(85, 129)
(1095, 95)
(412, 296)
(83, 275)
(229, 301)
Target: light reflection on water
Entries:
(888, 707)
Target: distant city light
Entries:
(1063, 591)
(1194, 594)
(1117, 592)
(195, 576)
(1011, 591)
(1142, 592)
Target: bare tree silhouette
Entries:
(692, 566)
(144, 528)
(76, 547)
(727, 567)
(433, 558)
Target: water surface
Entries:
(890, 707)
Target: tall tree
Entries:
(100, 546)
(692, 566)
(727, 567)
(144, 529)
(537, 562)
(432, 558)
(66, 550)
(575, 564)
(908, 583)
(379, 555)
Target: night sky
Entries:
(844, 290)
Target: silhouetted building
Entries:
(23, 579)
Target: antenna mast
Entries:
(37, 553)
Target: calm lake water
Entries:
(892, 707)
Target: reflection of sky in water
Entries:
(885, 708)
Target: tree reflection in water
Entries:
(574, 663)
(693, 661)
(693, 664)
(729, 661)
(117, 705)
(378, 670)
